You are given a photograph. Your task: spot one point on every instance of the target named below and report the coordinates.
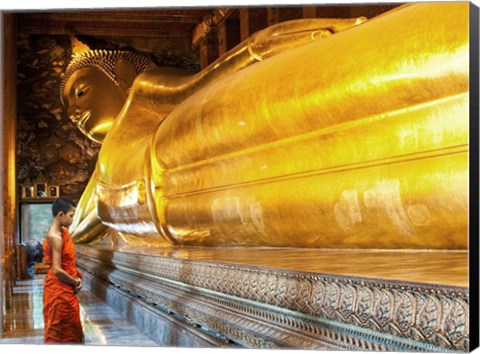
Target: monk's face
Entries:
(66, 219)
(92, 102)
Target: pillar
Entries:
(232, 29)
(272, 16)
(244, 24)
(222, 38)
(8, 153)
(208, 50)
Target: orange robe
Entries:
(61, 310)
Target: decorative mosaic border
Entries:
(157, 323)
(435, 317)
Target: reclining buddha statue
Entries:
(317, 133)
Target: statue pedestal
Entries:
(287, 298)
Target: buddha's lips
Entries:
(81, 119)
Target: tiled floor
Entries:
(101, 324)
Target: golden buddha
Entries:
(356, 140)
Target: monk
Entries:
(61, 310)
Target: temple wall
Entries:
(49, 145)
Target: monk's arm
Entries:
(55, 242)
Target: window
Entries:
(35, 219)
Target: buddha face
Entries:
(92, 102)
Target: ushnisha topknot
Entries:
(105, 60)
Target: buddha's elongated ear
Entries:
(125, 74)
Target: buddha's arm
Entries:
(162, 90)
(274, 40)
(156, 93)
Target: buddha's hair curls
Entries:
(105, 60)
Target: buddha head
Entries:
(95, 87)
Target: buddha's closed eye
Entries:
(80, 92)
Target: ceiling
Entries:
(159, 23)
(178, 30)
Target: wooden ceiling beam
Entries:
(109, 23)
(104, 31)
